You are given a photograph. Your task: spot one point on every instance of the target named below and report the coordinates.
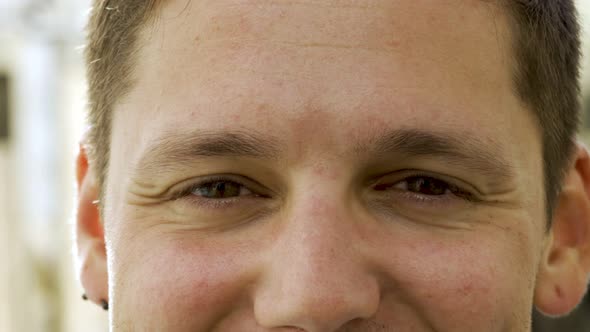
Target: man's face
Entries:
(324, 166)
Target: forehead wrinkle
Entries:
(249, 21)
(221, 41)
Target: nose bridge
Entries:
(315, 243)
(322, 231)
(316, 279)
(319, 205)
(319, 229)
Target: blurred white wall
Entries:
(40, 51)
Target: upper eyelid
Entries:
(215, 179)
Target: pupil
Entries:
(427, 186)
(222, 190)
(219, 188)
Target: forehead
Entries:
(379, 56)
(320, 51)
(324, 72)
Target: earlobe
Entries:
(561, 283)
(90, 234)
(565, 266)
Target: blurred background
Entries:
(42, 104)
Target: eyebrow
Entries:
(464, 150)
(174, 149)
(458, 149)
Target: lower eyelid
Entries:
(448, 197)
(445, 200)
(200, 202)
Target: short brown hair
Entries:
(547, 47)
(112, 41)
(546, 36)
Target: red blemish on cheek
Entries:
(394, 43)
(263, 110)
(466, 289)
(245, 25)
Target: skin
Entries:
(327, 232)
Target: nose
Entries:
(315, 278)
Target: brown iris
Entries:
(219, 190)
(427, 186)
(420, 185)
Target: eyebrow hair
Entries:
(177, 148)
(463, 150)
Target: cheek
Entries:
(471, 283)
(190, 283)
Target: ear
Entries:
(89, 233)
(565, 266)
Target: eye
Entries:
(425, 186)
(420, 185)
(220, 190)
(223, 191)
(225, 199)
